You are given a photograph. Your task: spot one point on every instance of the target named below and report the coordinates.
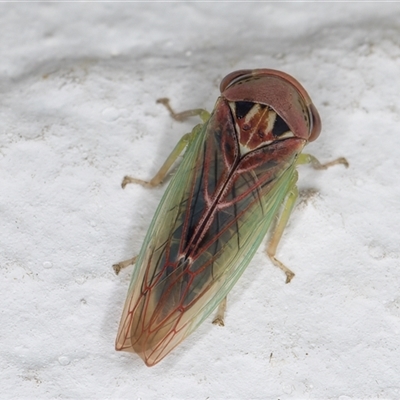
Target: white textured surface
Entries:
(77, 112)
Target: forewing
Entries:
(156, 265)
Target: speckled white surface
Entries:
(78, 87)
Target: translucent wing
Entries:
(211, 220)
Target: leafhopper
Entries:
(236, 183)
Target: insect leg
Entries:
(183, 115)
(278, 231)
(219, 316)
(309, 159)
(185, 140)
(288, 207)
(280, 227)
(123, 264)
(160, 175)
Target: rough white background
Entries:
(78, 85)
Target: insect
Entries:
(235, 184)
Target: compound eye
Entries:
(316, 123)
(234, 78)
